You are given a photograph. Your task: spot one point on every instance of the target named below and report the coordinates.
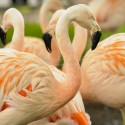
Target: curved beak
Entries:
(96, 34)
(95, 39)
(47, 40)
(3, 36)
(80, 118)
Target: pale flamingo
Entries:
(80, 35)
(107, 66)
(47, 7)
(32, 44)
(65, 15)
(64, 21)
(75, 108)
(73, 111)
(103, 73)
(109, 13)
(19, 42)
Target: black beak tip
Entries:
(2, 36)
(47, 40)
(96, 39)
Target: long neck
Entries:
(79, 41)
(73, 74)
(18, 36)
(55, 54)
(13, 18)
(44, 19)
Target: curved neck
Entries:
(79, 40)
(43, 17)
(18, 36)
(44, 20)
(13, 18)
(55, 54)
(73, 74)
(48, 6)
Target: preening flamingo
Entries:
(31, 88)
(109, 13)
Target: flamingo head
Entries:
(50, 30)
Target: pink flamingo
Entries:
(103, 73)
(50, 6)
(38, 84)
(32, 44)
(80, 34)
(102, 70)
(52, 26)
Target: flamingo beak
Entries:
(2, 36)
(80, 118)
(47, 40)
(95, 39)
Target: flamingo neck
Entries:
(13, 18)
(44, 20)
(43, 17)
(55, 54)
(79, 41)
(18, 37)
(73, 74)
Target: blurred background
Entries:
(111, 17)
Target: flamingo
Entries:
(103, 75)
(65, 111)
(75, 108)
(73, 113)
(80, 35)
(109, 13)
(50, 6)
(47, 35)
(99, 81)
(32, 44)
(36, 88)
(19, 42)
